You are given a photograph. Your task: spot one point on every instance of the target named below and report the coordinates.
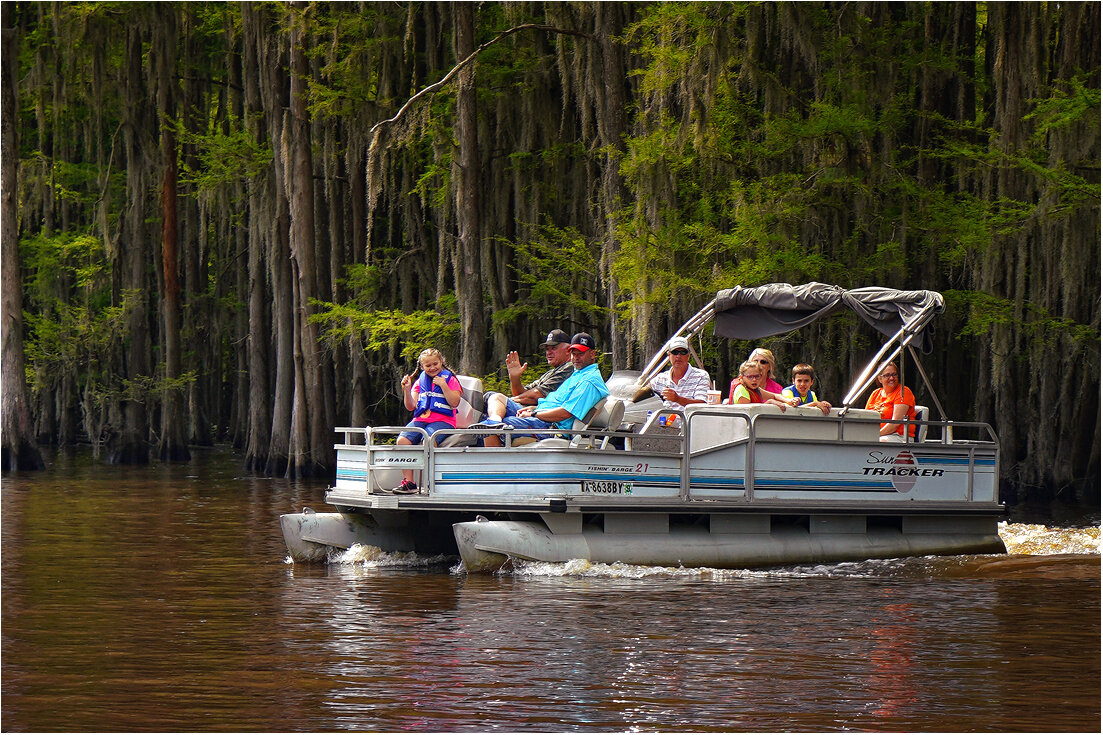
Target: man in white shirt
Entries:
(682, 384)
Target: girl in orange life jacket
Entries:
(433, 398)
(893, 401)
(750, 375)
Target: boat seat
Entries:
(802, 422)
(922, 413)
(470, 411)
(605, 414)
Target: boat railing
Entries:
(423, 456)
(755, 423)
(945, 428)
(372, 440)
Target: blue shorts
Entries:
(529, 422)
(523, 422)
(431, 428)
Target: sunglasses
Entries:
(763, 362)
(679, 352)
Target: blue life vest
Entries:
(796, 394)
(430, 397)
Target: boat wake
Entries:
(372, 557)
(1038, 540)
(1022, 540)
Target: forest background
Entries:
(223, 223)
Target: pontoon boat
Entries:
(733, 486)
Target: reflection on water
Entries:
(158, 598)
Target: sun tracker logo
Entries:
(902, 468)
(904, 482)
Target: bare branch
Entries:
(471, 57)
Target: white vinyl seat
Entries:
(606, 414)
(469, 411)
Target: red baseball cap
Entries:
(582, 342)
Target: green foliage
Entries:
(554, 270)
(1072, 102)
(384, 329)
(348, 40)
(434, 185)
(671, 37)
(983, 311)
(76, 341)
(363, 282)
(65, 258)
(72, 328)
(226, 153)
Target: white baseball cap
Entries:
(677, 343)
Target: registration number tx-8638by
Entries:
(607, 487)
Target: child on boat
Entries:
(750, 375)
(433, 398)
(765, 359)
(803, 378)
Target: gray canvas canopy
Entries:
(775, 308)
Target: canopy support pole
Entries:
(927, 382)
(905, 335)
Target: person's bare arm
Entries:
(515, 369)
(899, 411)
(547, 415)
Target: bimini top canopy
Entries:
(776, 308)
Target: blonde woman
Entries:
(750, 375)
(765, 360)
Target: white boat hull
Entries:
(487, 546)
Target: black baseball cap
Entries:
(556, 337)
(582, 342)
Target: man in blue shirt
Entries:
(571, 400)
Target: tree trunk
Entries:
(129, 441)
(610, 125)
(173, 445)
(274, 216)
(19, 449)
(309, 431)
(261, 192)
(468, 251)
(359, 385)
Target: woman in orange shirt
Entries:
(893, 401)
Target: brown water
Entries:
(159, 599)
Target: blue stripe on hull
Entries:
(943, 459)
